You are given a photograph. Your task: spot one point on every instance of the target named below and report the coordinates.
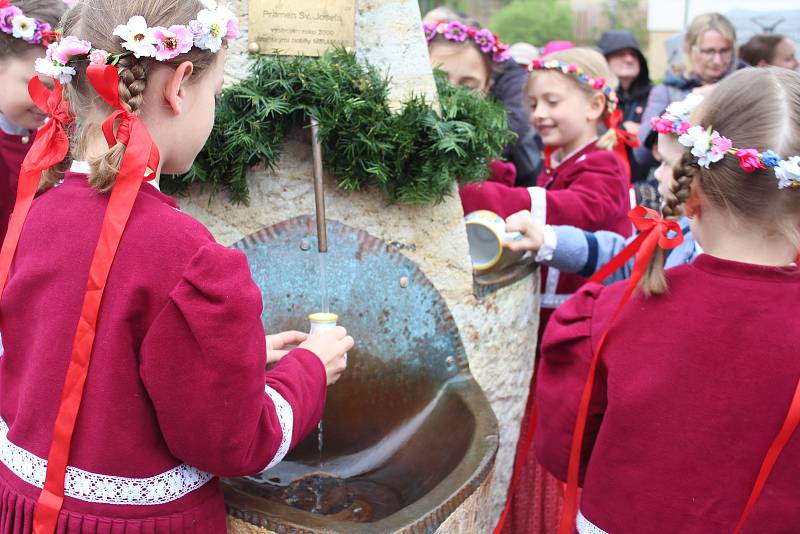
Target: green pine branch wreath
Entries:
(414, 155)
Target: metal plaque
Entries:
(301, 27)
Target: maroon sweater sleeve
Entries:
(202, 363)
(596, 197)
(567, 350)
(500, 198)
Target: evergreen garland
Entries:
(413, 155)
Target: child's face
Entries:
(561, 112)
(464, 64)
(15, 102)
(671, 153)
(786, 55)
(191, 128)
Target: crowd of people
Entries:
(666, 382)
(600, 120)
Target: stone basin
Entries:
(408, 435)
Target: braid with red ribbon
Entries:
(140, 154)
(654, 232)
(49, 149)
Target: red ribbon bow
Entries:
(140, 152)
(105, 80)
(624, 138)
(654, 232)
(4, 3)
(49, 149)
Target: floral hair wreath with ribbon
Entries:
(598, 84)
(709, 146)
(16, 24)
(207, 32)
(458, 32)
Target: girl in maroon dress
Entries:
(20, 47)
(135, 354)
(690, 424)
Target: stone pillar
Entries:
(498, 331)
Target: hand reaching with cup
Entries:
(330, 347)
(532, 234)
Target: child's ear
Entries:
(597, 106)
(175, 89)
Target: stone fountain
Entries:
(411, 441)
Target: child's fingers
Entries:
(519, 222)
(291, 337)
(522, 245)
(346, 343)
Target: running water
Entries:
(323, 282)
(325, 308)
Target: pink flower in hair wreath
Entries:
(172, 42)
(98, 57)
(69, 47)
(749, 160)
(7, 15)
(485, 39)
(456, 31)
(501, 53)
(720, 145)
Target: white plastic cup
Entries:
(322, 322)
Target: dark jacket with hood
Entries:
(526, 152)
(632, 101)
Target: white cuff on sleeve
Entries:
(538, 204)
(548, 248)
(286, 419)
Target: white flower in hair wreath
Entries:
(788, 173)
(684, 108)
(212, 26)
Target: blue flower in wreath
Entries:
(770, 158)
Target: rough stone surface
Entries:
(499, 331)
(471, 516)
(237, 526)
(389, 36)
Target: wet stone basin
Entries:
(407, 433)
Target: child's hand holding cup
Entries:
(330, 343)
(532, 234)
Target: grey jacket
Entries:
(585, 253)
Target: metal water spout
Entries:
(319, 188)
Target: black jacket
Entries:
(632, 101)
(526, 152)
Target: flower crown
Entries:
(206, 33)
(708, 146)
(456, 31)
(14, 22)
(598, 84)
